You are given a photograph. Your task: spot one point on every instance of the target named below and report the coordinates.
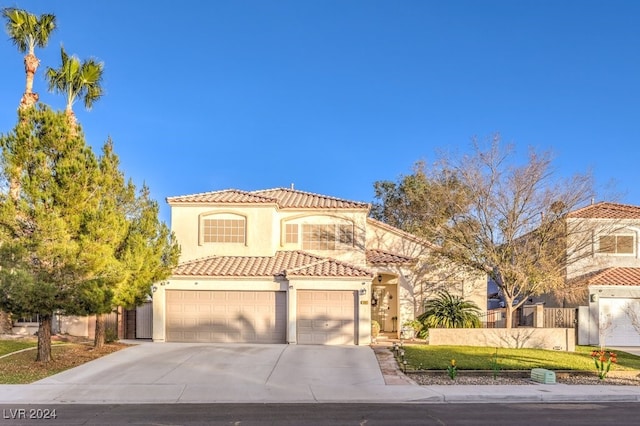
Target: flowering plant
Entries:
(452, 370)
(603, 361)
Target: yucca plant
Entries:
(450, 311)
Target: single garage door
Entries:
(226, 316)
(326, 317)
(619, 321)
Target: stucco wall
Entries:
(72, 325)
(354, 255)
(540, 338)
(261, 227)
(585, 236)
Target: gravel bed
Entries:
(434, 379)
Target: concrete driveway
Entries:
(180, 372)
(634, 350)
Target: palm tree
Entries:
(76, 79)
(448, 311)
(28, 31)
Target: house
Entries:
(287, 266)
(607, 273)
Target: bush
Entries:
(448, 311)
(110, 335)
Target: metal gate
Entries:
(560, 317)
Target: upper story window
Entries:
(616, 244)
(291, 233)
(223, 229)
(327, 237)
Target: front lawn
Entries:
(8, 346)
(427, 357)
(21, 368)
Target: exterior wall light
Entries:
(593, 298)
(363, 292)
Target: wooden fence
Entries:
(560, 317)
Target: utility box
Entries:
(542, 375)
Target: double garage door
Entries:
(323, 317)
(226, 316)
(620, 321)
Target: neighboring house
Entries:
(287, 266)
(608, 273)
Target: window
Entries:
(291, 233)
(346, 235)
(616, 244)
(223, 231)
(327, 237)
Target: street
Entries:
(322, 414)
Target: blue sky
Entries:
(333, 95)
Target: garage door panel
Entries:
(226, 316)
(326, 317)
(619, 323)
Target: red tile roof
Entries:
(380, 257)
(284, 198)
(226, 196)
(284, 263)
(605, 210)
(292, 198)
(616, 276)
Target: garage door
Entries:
(226, 316)
(326, 317)
(620, 321)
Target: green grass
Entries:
(481, 358)
(8, 346)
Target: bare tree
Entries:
(508, 220)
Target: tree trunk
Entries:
(44, 339)
(73, 123)
(98, 341)
(6, 325)
(508, 309)
(30, 67)
(508, 317)
(29, 99)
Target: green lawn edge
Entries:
(425, 357)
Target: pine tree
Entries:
(42, 254)
(140, 247)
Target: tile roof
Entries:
(284, 263)
(616, 276)
(381, 257)
(226, 196)
(283, 197)
(292, 198)
(605, 210)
